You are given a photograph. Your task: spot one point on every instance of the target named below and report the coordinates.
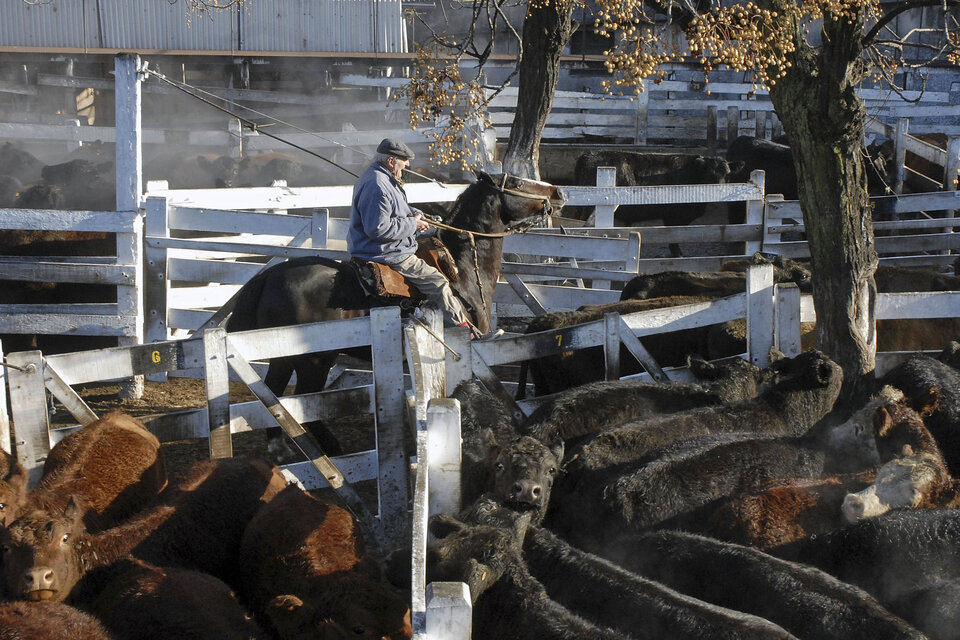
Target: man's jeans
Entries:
(434, 286)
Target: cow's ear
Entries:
(284, 604)
(479, 577)
(700, 367)
(71, 510)
(882, 421)
(442, 525)
(927, 402)
(18, 480)
(557, 448)
(490, 444)
(907, 451)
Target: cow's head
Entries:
(908, 482)
(38, 554)
(524, 472)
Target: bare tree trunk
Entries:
(546, 30)
(823, 118)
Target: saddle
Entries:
(381, 281)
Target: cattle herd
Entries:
(106, 545)
(743, 505)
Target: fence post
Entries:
(950, 172)
(321, 228)
(386, 345)
(449, 611)
(900, 153)
(733, 125)
(611, 348)
(755, 211)
(217, 378)
(458, 338)
(28, 401)
(787, 319)
(155, 283)
(129, 178)
(443, 464)
(418, 559)
(760, 314)
(5, 442)
(768, 238)
(640, 122)
(603, 214)
(712, 129)
(235, 130)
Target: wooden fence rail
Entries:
(35, 375)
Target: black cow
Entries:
(552, 590)
(19, 163)
(86, 185)
(202, 171)
(903, 558)
(554, 373)
(664, 471)
(915, 377)
(805, 601)
(262, 169)
(10, 188)
(805, 392)
(773, 158)
(642, 169)
(594, 406)
(776, 160)
(519, 469)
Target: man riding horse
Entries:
(383, 229)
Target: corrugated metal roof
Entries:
(47, 24)
(327, 25)
(148, 24)
(262, 26)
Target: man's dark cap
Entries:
(394, 147)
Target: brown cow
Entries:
(13, 487)
(794, 508)
(144, 602)
(48, 621)
(789, 510)
(197, 523)
(304, 568)
(110, 468)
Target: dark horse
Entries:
(315, 289)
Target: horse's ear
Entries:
(483, 176)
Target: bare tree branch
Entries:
(888, 17)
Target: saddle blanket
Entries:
(383, 282)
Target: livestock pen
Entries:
(186, 279)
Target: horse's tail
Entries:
(244, 315)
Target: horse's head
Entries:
(525, 202)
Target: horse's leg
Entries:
(278, 375)
(312, 370)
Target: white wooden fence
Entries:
(32, 375)
(122, 318)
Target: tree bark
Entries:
(823, 118)
(547, 28)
